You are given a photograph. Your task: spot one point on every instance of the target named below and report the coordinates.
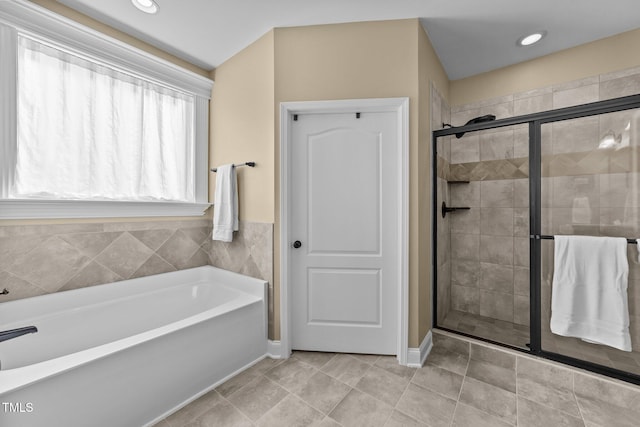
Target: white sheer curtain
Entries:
(89, 132)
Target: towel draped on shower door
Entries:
(589, 292)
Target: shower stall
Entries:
(502, 190)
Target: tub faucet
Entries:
(15, 333)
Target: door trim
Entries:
(287, 109)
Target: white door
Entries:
(345, 196)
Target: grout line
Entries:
(333, 408)
(575, 397)
(517, 400)
(241, 411)
(464, 377)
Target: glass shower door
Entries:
(482, 189)
(590, 185)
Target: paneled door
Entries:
(344, 230)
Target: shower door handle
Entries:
(297, 244)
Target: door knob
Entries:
(297, 244)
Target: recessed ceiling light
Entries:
(531, 38)
(147, 6)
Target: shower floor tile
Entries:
(488, 328)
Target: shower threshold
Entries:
(488, 328)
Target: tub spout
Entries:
(15, 333)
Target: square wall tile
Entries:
(466, 149)
(521, 221)
(576, 192)
(521, 251)
(521, 310)
(496, 277)
(496, 145)
(465, 194)
(496, 305)
(496, 194)
(576, 96)
(465, 273)
(521, 281)
(465, 299)
(502, 109)
(521, 193)
(496, 221)
(577, 135)
(622, 86)
(466, 221)
(465, 246)
(496, 249)
(533, 104)
(462, 114)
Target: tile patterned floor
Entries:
(518, 336)
(462, 384)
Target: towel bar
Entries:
(250, 164)
(547, 237)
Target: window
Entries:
(93, 127)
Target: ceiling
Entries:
(469, 36)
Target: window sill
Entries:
(30, 209)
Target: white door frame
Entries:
(287, 109)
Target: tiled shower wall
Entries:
(489, 256)
(41, 259)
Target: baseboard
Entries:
(417, 356)
(274, 349)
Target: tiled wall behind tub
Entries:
(40, 259)
(250, 253)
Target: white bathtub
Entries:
(128, 353)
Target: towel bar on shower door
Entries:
(547, 237)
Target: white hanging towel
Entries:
(589, 296)
(225, 204)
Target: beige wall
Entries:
(602, 56)
(343, 61)
(242, 127)
(429, 70)
(367, 60)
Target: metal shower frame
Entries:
(535, 122)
